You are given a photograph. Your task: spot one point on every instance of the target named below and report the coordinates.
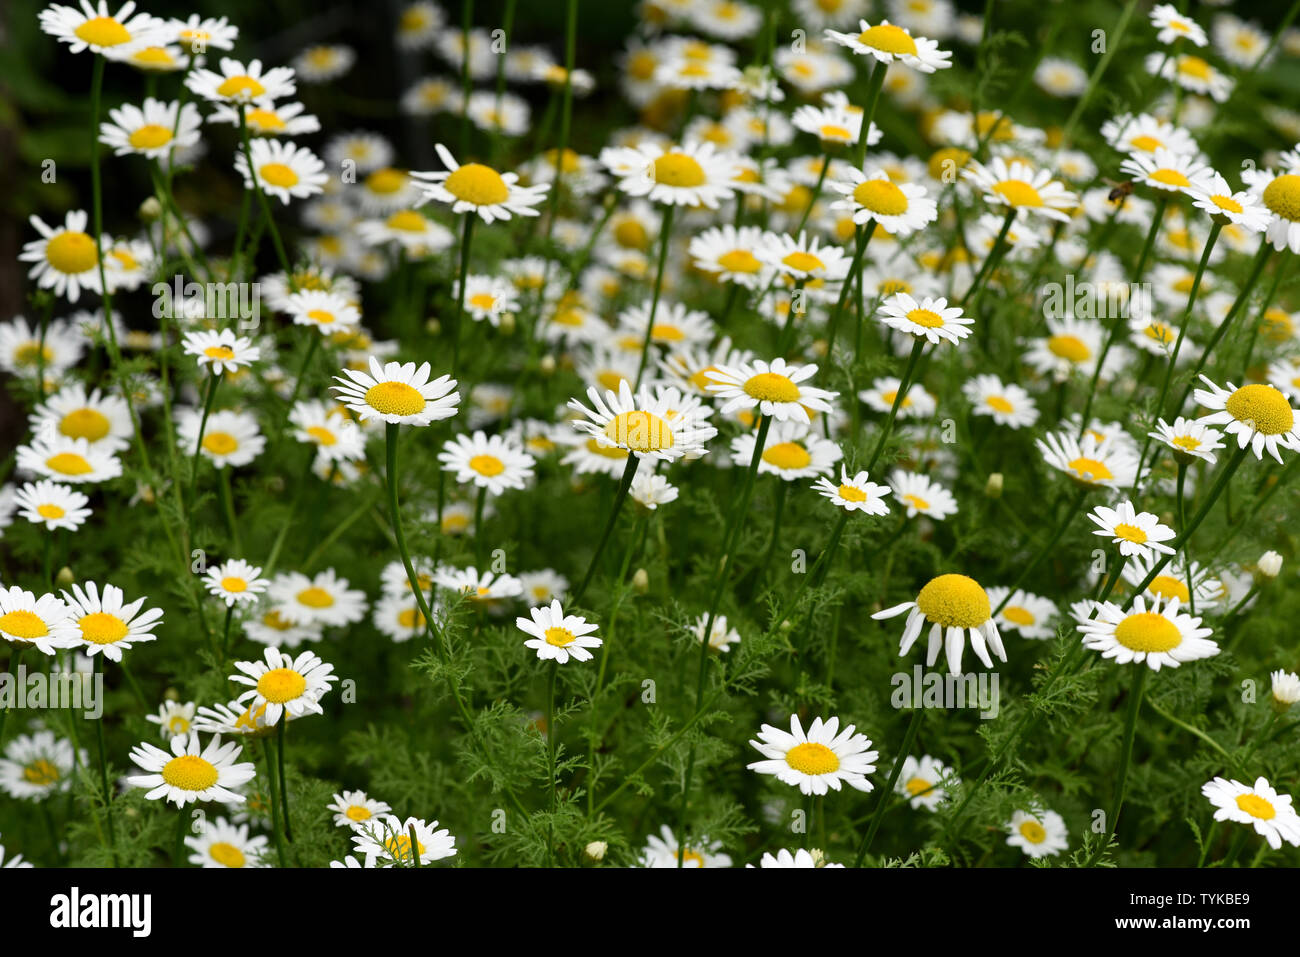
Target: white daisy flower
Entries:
(173, 718)
(921, 495)
(823, 759)
(66, 257)
(917, 403)
(1159, 636)
(930, 319)
(1178, 580)
(694, 174)
(1017, 186)
(1173, 26)
(399, 616)
(99, 419)
(792, 451)
(323, 600)
(494, 463)
(323, 62)
(21, 350)
(1258, 415)
(557, 636)
(1007, 404)
(1136, 533)
(1270, 813)
(191, 772)
(37, 766)
(775, 388)
(269, 119)
(354, 808)
(664, 851)
(650, 490)
(1192, 73)
(1027, 614)
(106, 624)
(855, 493)
(1242, 208)
(327, 312)
(221, 351)
(199, 34)
(1144, 134)
(920, 781)
(229, 439)
(52, 505)
(336, 437)
(1285, 688)
(237, 83)
(148, 131)
(1039, 833)
(899, 209)
(1104, 464)
(953, 605)
(886, 43)
(69, 460)
(476, 188)
(1169, 172)
(44, 622)
(397, 393)
(388, 841)
(284, 170)
(93, 28)
(646, 425)
(223, 844)
(488, 588)
(802, 858)
(235, 582)
(284, 684)
(721, 637)
(730, 254)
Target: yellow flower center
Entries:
(280, 685)
(679, 170)
(812, 758)
(1262, 407)
(1148, 631)
(410, 617)
(483, 300)
(241, 85)
(150, 136)
(1167, 586)
(803, 262)
(152, 57)
(23, 624)
(488, 465)
(101, 628)
(315, 597)
(739, 260)
(358, 812)
(399, 846)
(50, 511)
(606, 451)
(927, 318)
(265, 120)
(220, 443)
(1282, 196)
(1187, 442)
(1071, 348)
(1194, 66)
(386, 181)
(917, 786)
(631, 234)
(918, 503)
(787, 456)
(71, 252)
(234, 584)
(771, 387)
(1018, 615)
(1256, 806)
(1148, 144)
(189, 772)
(640, 431)
(851, 493)
(321, 316)
(103, 32)
(888, 38)
(227, 855)
(1160, 333)
(477, 184)
(1130, 533)
(837, 133)
(881, 197)
(999, 403)
(1033, 832)
(69, 463)
(219, 352)
(954, 601)
(277, 174)
(395, 398)
(1018, 193)
(1226, 203)
(41, 773)
(85, 423)
(1090, 470)
(559, 637)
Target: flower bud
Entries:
(547, 366)
(1269, 564)
(507, 323)
(993, 487)
(432, 326)
(641, 581)
(150, 210)
(65, 577)
(596, 850)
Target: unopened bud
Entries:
(150, 210)
(641, 581)
(1269, 564)
(547, 365)
(596, 850)
(507, 323)
(65, 577)
(993, 487)
(432, 326)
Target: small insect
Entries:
(1119, 192)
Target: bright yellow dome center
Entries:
(189, 772)
(812, 758)
(678, 170)
(71, 252)
(395, 398)
(954, 601)
(888, 38)
(1263, 407)
(1148, 631)
(280, 685)
(478, 185)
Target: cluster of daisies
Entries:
(742, 289)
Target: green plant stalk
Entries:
(284, 786)
(665, 233)
(1072, 511)
(720, 580)
(466, 238)
(875, 84)
(1136, 689)
(624, 484)
(228, 507)
(909, 736)
(904, 385)
(276, 825)
(991, 260)
(1156, 219)
(550, 749)
(103, 768)
(266, 213)
(1112, 47)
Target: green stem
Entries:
(665, 233)
(903, 386)
(909, 736)
(1114, 39)
(466, 237)
(625, 483)
(284, 787)
(1126, 754)
(275, 803)
(103, 767)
